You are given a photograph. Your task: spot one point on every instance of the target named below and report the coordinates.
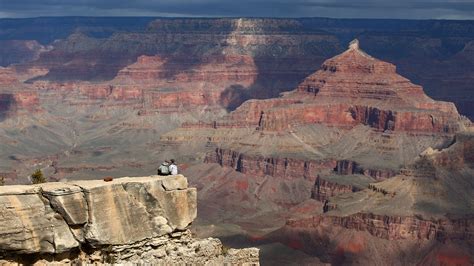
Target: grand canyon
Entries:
(340, 141)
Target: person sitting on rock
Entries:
(164, 168)
(173, 168)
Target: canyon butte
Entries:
(313, 152)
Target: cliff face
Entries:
(396, 227)
(428, 205)
(294, 169)
(345, 167)
(357, 239)
(284, 168)
(127, 219)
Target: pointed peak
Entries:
(355, 59)
(354, 45)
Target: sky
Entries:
(404, 9)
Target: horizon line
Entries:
(240, 17)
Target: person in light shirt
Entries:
(173, 168)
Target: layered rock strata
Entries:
(431, 199)
(142, 219)
(219, 63)
(317, 171)
(285, 168)
(395, 227)
(347, 167)
(324, 189)
(350, 89)
(428, 52)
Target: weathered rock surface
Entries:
(130, 219)
(30, 225)
(430, 201)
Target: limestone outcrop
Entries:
(127, 219)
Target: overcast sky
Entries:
(409, 9)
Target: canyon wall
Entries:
(396, 227)
(346, 167)
(436, 54)
(285, 168)
(294, 169)
(429, 203)
(131, 219)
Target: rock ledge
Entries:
(130, 219)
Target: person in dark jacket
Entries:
(164, 169)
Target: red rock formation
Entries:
(216, 70)
(394, 227)
(294, 169)
(358, 238)
(157, 84)
(191, 63)
(352, 88)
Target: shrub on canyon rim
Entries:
(37, 177)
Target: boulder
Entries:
(57, 217)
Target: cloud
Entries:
(415, 9)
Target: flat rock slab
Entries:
(57, 217)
